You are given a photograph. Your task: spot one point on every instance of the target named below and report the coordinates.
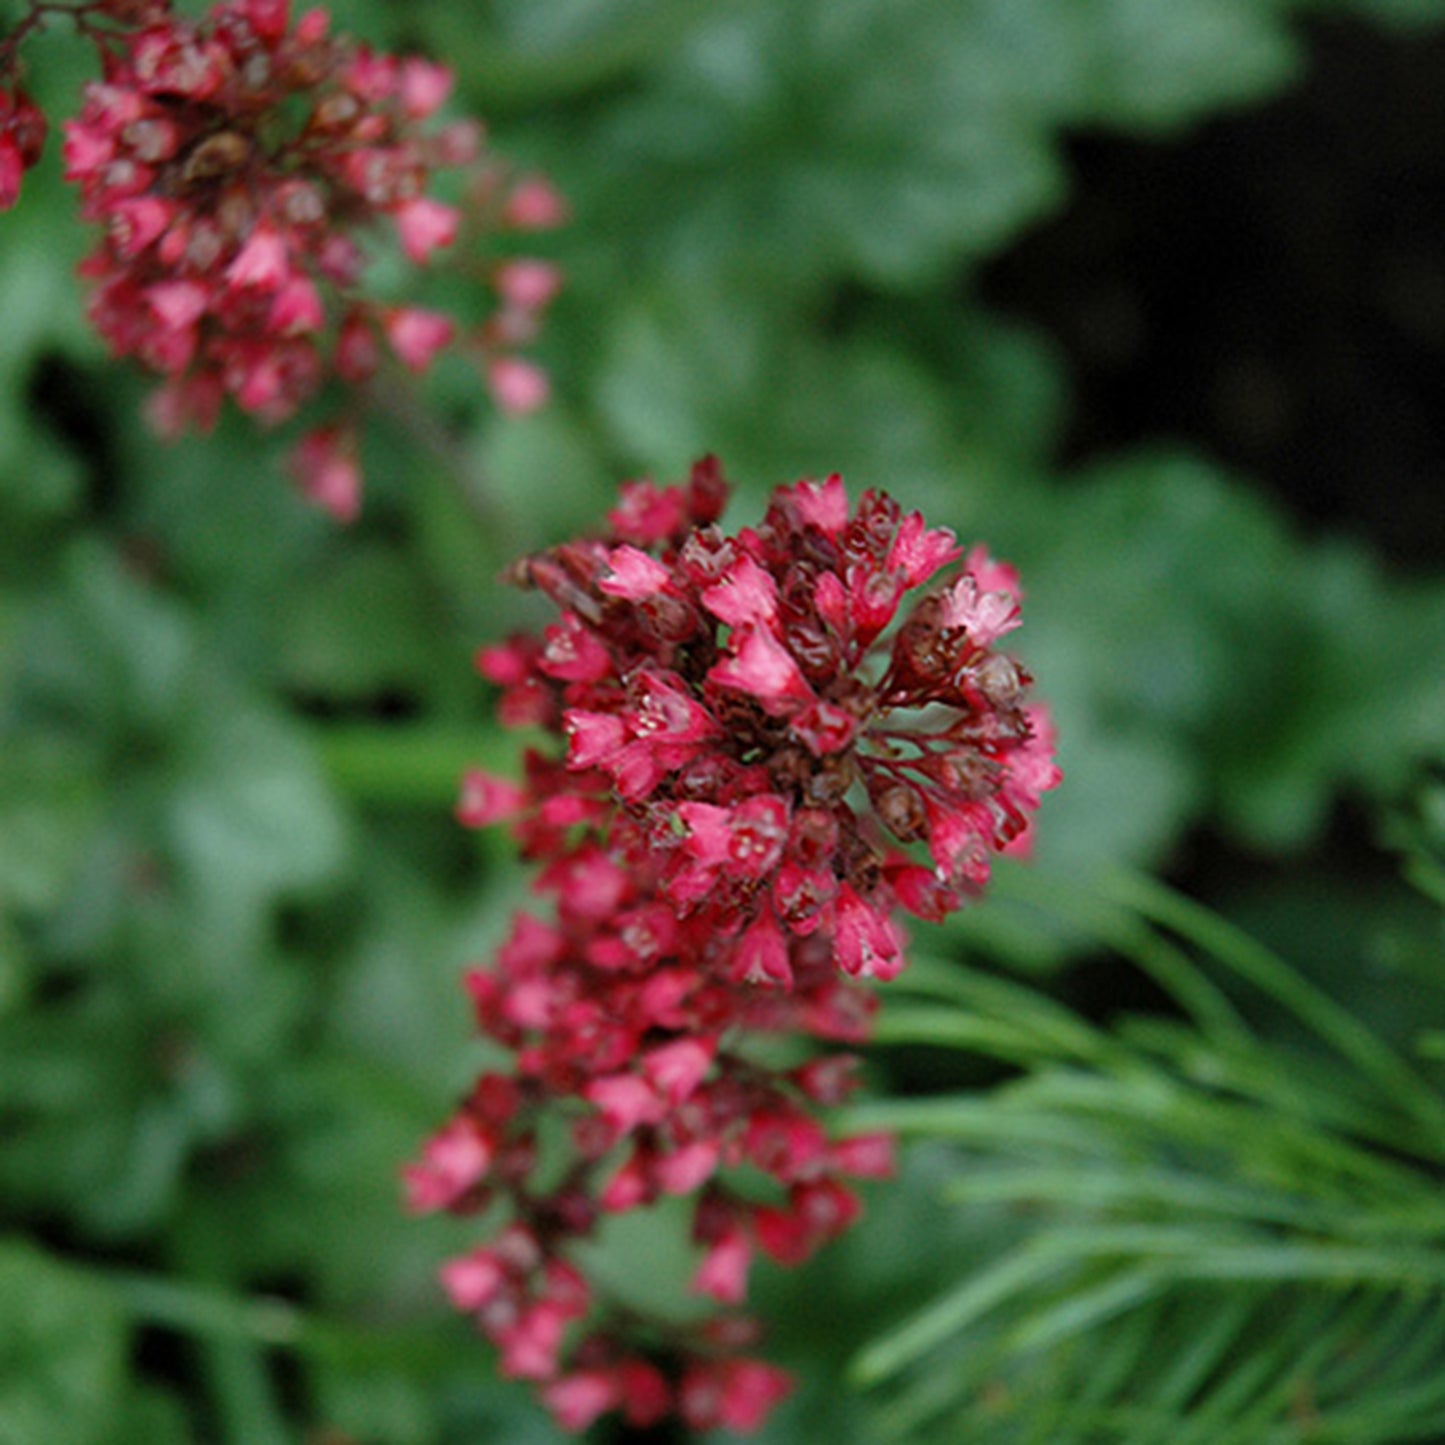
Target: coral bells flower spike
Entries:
(778, 680)
(235, 161)
(760, 751)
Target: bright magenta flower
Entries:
(753, 734)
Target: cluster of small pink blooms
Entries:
(626, 1036)
(762, 708)
(236, 162)
(761, 754)
(22, 139)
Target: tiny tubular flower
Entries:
(517, 386)
(416, 335)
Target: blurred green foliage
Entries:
(234, 906)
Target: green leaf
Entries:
(1154, 65)
(48, 801)
(818, 140)
(698, 368)
(62, 1352)
(250, 815)
(150, 1417)
(891, 140)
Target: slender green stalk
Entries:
(955, 1029)
(1054, 1029)
(234, 1363)
(411, 765)
(955, 1310)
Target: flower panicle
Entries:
(765, 745)
(799, 743)
(235, 164)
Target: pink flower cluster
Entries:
(22, 138)
(756, 735)
(234, 161)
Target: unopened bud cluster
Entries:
(762, 754)
(237, 163)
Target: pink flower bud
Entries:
(297, 308)
(486, 800)
(454, 1161)
(734, 1394)
(723, 1274)
(357, 352)
(763, 668)
(325, 467)
(518, 387)
(424, 225)
(424, 87)
(11, 170)
(262, 262)
(534, 205)
(474, 1280)
(136, 223)
(578, 1399)
(416, 336)
(177, 304)
(527, 285)
(633, 574)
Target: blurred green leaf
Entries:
(249, 813)
(62, 1352)
(526, 53)
(48, 801)
(817, 140)
(150, 1417)
(696, 369)
(1153, 65)
(890, 139)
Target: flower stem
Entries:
(420, 765)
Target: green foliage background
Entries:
(234, 907)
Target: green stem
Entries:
(952, 1028)
(400, 399)
(420, 765)
(237, 1373)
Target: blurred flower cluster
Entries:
(756, 728)
(237, 164)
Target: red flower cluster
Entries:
(751, 746)
(234, 161)
(22, 138)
